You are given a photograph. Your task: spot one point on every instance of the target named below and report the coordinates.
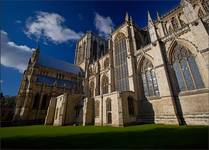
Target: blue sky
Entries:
(57, 25)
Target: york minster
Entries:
(156, 74)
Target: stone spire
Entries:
(151, 29)
(127, 17)
(149, 18)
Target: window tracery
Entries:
(121, 66)
(105, 84)
(149, 79)
(186, 69)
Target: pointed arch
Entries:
(105, 84)
(185, 67)
(119, 36)
(149, 80)
(120, 62)
(141, 59)
(193, 48)
(109, 110)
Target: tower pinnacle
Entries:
(149, 17)
(127, 17)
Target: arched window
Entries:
(121, 67)
(44, 102)
(97, 106)
(105, 84)
(174, 23)
(91, 89)
(36, 101)
(170, 30)
(109, 111)
(186, 69)
(131, 110)
(95, 50)
(149, 79)
(106, 63)
(108, 105)
(200, 13)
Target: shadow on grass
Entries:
(189, 138)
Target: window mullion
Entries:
(152, 82)
(147, 83)
(194, 84)
(182, 74)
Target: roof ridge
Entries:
(55, 63)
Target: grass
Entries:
(139, 136)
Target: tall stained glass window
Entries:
(105, 84)
(186, 69)
(149, 79)
(121, 67)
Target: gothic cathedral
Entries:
(158, 74)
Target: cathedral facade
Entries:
(158, 74)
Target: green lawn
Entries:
(139, 136)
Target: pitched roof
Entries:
(49, 62)
(52, 81)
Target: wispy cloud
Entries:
(103, 24)
(18, 21)
(1, 81)
(51, 27)
(14, 55)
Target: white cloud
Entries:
(14, 55)
(103, 24)
(51, 27)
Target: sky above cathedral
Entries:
(57, 25)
